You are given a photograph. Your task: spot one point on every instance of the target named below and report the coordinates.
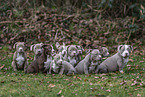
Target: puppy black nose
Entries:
(21, 49)
(126, 54)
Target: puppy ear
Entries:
(131, 47)
(67, 49)
(41, 43)
(15, 45)
(88, 51)
(57, 45)
(119, 47)
(31, 48)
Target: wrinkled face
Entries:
(96, 56)
(38, 49)
(72, 51)
(47, 49)
(57, 62)
(80, 50)
(105, 52)
(20, 47)
(125, 50)
(58, 59)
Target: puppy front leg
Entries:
(25, 66)
(14, 66)
(14, 62)
(86, 68)
(120, 65)
(61, 70)
(49, 70)
(91, 69)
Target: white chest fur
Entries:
(20, 59)
(72, 60)
(125, 61)
(48, 61)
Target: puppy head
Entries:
(104, 52)
(47, 49)
(19, 46)
(96, 56)
(72, 50)
(58, 59)
(125, 50)
(37, 48)
(57, 62)
(80, 49)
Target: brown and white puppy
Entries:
(104, 52)
(37, 49)
(89, 63)
(20, 58)
(38, 64)
(61, 66)
(117, 61)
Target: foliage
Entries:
(89, 23)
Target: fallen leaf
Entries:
(108, 90)
(2, 81)
(79, 78)
(2, 67)
(141, 61)
(59, 92)
(51, 85)
(131, 60)
(138, 95)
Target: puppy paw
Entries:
(121, 72)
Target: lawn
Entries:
(13, 84)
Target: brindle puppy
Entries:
(38, 64)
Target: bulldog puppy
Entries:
(38, 64)
(117, 61)
(104, 52)
(20, 58)
(61, 66)
(89, 63)
(37, 49)
(72, 54)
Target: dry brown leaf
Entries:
(131, 60)
(138, 95)
(108, 90)
(59, 92)
(51, 85)
(2, 67)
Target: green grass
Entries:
(13, 84)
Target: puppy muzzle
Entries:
(20, 49)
